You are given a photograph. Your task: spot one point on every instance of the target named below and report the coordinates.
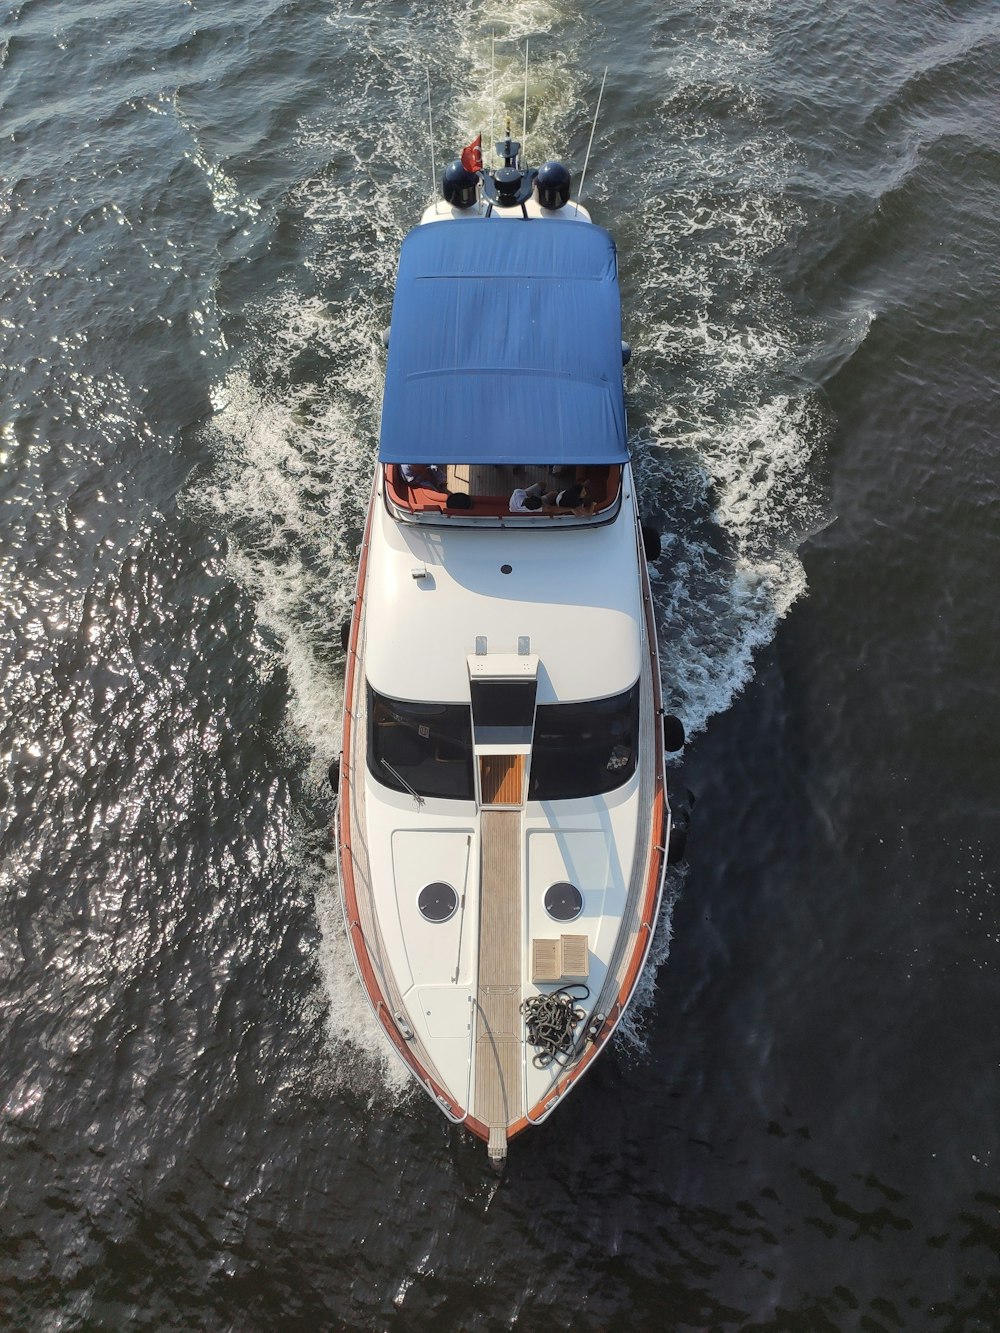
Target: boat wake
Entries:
(724, 441)
(726, 434)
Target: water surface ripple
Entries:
(201, 211)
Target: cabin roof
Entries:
(505, 346)
(574, 595)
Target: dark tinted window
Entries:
(427, 746)
(503, 703)
(584, 749)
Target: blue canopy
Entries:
(505, 346)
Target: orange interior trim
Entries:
(501, 778)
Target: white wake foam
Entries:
(372, 1070)
(724, 450)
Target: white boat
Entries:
(503, 821)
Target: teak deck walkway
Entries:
(499, 1094)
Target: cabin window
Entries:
(584, 749)
(503, 711)
(423, 747)
(503, 703)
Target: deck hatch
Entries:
(564, 959)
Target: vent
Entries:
(564, 959)
(546, 961)
(575, 956)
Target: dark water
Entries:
(201, 207)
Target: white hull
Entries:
(424, 980)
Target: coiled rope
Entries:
(551, 1021)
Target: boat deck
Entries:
(505, 1091)
(499, 1095)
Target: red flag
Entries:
(472, 155)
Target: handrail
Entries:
(399, 778)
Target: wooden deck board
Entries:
(501, 778)
(498, 1096)
(487, 479)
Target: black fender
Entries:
(673, 733)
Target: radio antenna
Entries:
(430, 126)
(493, 87)
(593, 127)
(524, 130)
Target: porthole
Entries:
(563, 902)
(437, 902)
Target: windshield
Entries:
(584, 749)
(423, 746)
